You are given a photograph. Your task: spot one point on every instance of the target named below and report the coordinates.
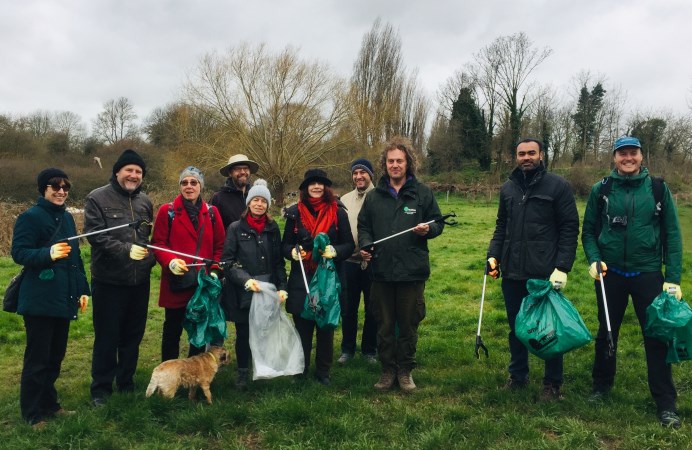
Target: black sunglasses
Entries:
(190, 182)
(57, 186)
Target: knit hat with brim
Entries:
(318, 175)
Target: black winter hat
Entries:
(129, 156)
(46, 175)
(362, 163)
(315, 175)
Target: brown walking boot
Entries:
(406, 381)
(386, 380)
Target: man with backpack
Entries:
(631, 226)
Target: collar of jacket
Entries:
(361, 194)
(268, 227)
(229, 186)
(518, 175)
(384, 186)
(119, 189)
(52, 208)
(633, 180)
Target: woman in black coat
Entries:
(53, 288)
(252, 252)
(316, 212)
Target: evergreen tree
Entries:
(469, 123)
(588, 107)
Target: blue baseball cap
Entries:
(626, 141)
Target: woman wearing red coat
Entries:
(187, 225)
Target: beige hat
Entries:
(236, 160)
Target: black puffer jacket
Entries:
(340, 238)
(110, 206)
(247, 256)
(537, 226)
(405, 257)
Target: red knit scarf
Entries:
(257, 224)
(326, 216)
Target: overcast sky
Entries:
(73, 55)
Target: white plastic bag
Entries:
(274, 340)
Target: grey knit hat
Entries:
(259, 189)
(194, 172)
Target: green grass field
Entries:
(460, 402)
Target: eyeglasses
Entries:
(190, 182)
(56, 187)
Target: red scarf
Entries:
(326, 216)
(257, 224)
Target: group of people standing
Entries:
(236, 230)
(535, 236)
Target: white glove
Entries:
(60, 250)
(675, 288)
(294, 254)
(252, 285)
(137, 252)
(283, 295)
(559, 279)
(329, 252)
(593, 271)
(178, 266)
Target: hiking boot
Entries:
(323, 379)
(241, 379)
(669, 419)
(370, 358)
(515, 384)
(344, 358)
(386, 380)
(406, 381)
(549, 393)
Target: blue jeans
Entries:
(514, 292)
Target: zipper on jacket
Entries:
(134, 232)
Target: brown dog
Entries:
(198, 370)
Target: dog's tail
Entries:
(153, 385)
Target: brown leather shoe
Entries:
(386, 380)
(406, 381)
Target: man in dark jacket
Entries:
(625, 234)
(400, 265)
(230, 198)
(535, 237)
(120, 271)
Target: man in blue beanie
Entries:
(356, 275)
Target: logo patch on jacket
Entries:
(409, 211)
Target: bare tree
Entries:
(385, 101)
(70, 124)
(116, 122)
(502, 71)
(278, 109)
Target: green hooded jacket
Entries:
(635, 246)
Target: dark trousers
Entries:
(324, 352)
(46, 341)
(242, 344)
(172, 330)
(643, 289)
(120, 317)
(357, 281)
(402, 305)
(514, 292)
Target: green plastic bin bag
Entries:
(548, 324)
(322, 301)
(680, 347)
(204, 319)
(665, 315)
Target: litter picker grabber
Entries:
(609, 338)
(312, 298)
(207, 261)
(371, 247)
(136, 224)
(479, 340)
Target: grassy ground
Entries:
(460, 403)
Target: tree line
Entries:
(287, 113)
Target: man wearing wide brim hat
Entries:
(230, 198)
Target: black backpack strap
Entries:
(658, 187)
(603, 191)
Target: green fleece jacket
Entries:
(636, 246)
